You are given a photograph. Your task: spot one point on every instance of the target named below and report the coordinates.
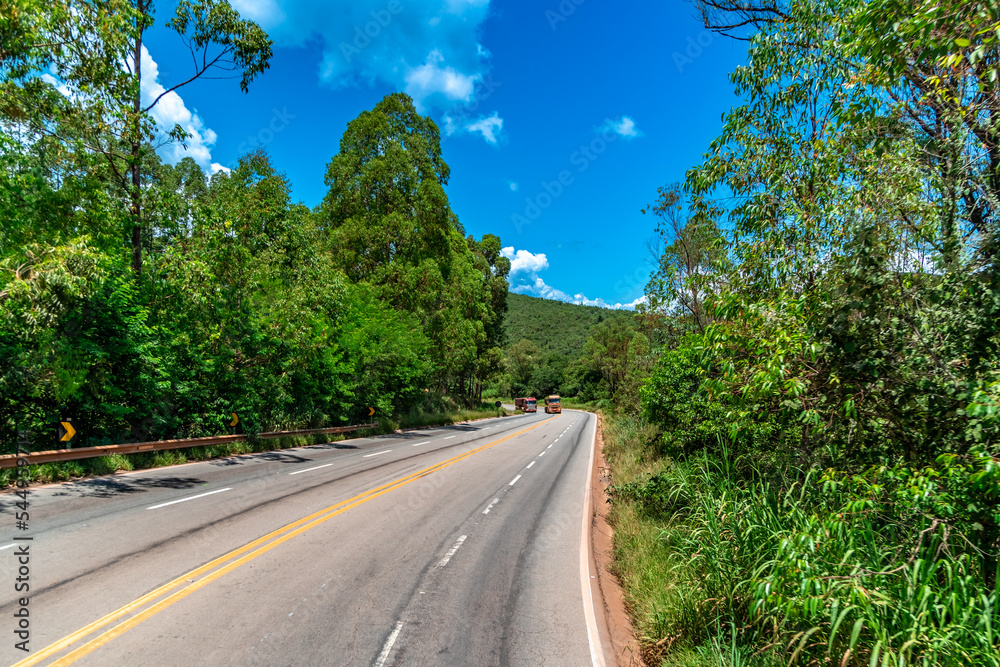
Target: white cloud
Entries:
(488, 126)
(59, 85)
(623, 127)
(428, 48)
(524, 279)
(170, 111)
(523, 261)
(435, 78)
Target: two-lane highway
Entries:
(459, 545)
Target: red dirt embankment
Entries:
(620, 645)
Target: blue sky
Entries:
(560, 119)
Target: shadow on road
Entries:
(107, 487)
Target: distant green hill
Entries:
(554, 326)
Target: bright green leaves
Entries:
(693, 259)
(242, 44)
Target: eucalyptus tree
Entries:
(389, 224)
(72, 70)
(863, 306)
(693, 258)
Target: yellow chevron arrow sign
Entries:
(236, 420)
(69, 431)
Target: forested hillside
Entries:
(581, 351)
(554, 326)
(145, 301)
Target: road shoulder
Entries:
(620, 644)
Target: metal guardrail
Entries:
(54, 455)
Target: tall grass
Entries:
(725, 565)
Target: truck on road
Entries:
(527, 404)
(553, 405)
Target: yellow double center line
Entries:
(229, 562)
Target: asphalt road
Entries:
(458, 545)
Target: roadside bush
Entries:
(823, 568)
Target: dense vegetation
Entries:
(146, 300)
(562, 348)
(812, 476)
(554, 327)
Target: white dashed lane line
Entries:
(451, 552)
(184, 500)
(387, 649)
(449, 437)
(325, 465)
(417, 444)
(485, 511)
(514, 481)
(376, 453)
(543, 453)
(529, 465)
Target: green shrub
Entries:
(825, 569)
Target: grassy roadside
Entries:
(106, 465)
(723, 566)
(673, 605)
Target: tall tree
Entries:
(92, 54)
(390, 225)
(693, 257)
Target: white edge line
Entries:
(308, 469)
(593, 635)
(184, 500)
(514, 481)
(387, 649)
(451, 552)
(417, 444)
(485, 511)
(385, 451)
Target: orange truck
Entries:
(527, 404)
(553, 405)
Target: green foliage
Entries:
(554, 326)
(879, 568)
(388, 224)
(693, 259)
(245, 304)
(849, 328)
(567, 349)
(671, 398)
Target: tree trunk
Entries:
(136, 147)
